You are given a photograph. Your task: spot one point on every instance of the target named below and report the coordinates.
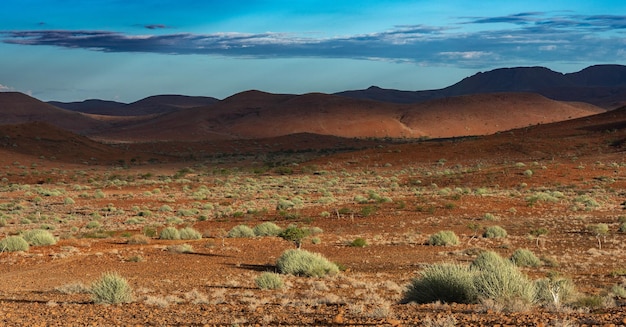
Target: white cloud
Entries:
(551, 47)
(4, 88)
(465, 54)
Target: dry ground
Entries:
(393, 196)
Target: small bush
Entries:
(269, 281)
(180, 248)
(169, 233)
(359, 242)
(111, 288)
(443, 238)
(294, 234)
(267, 229)
(188, 233)
(303, 263)
(13, 244)
(622, 228)
(554, 291)
(525, 258)
(241, 231)
(139, 239)
(495, 232)
(443, 282)
(39, 237)
(500, 280)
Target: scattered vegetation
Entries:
(443, 238)
(111, 288)
(269, 281)
(303, 263)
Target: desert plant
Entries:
(303, 263)
(169, 233)
(188, 233)
(443, 282)
(443, 238)
(13, 244)
(358, 242)
(111, 288)
(269, 281)
(554, 290)
(180, 248)
(294, 234)
(495, 232)
(537, 233)
(500, 280)
(599, 231)
(39, 237)
(525, 258)
(240, 231)
(138, 239)
(267, 229)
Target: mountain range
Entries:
(485, 103)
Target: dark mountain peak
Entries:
(175, 100)
(600, 76)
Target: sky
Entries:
(124, 50)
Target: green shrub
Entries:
(139, 239)
(554, 291)
(39, 237)
(294, 234)
(622, 228)
(188, 233)
(500, 280)
(267, 229)
(13, 243)
(443, 238)
(93, 224)
(170, 233)
(241, 231)
(303, 263)
(111, 288)
(525, 258)
(443, 282)
(495, 232)
(359, 242)
(180, 248)
(269, 281)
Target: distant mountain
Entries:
(601, 85)
(254, 114)
(158, 104)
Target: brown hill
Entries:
(255, 114)
(19, 108)
(158, 104)
(41, 140)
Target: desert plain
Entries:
(369, 203)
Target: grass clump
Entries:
(170, 233)
(13, 244)
(111, 288)
(500, 280)
(443, 238)
(495, 232)
(241, 231)
(269, 281)
(525, 258)
(303, 263)
(267, 229)
(443, 282)
(294, 234)
(555, 290)
(189, 233)
(39, 237)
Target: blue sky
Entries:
(72, 50)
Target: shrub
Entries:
(443, 282)
(622, 228)
(139, 239)
(495, 232)
(169, 233)
(39, 237)
(500, 280)
(525, 258)
(241, 231)
(294, 234)
(180, 248)
(554, 291)
(13, 243)
(267, 229)
(359, 242)
(188, 233)
(443, 238)
(111, 288)
(269, 281)
(303, 263)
